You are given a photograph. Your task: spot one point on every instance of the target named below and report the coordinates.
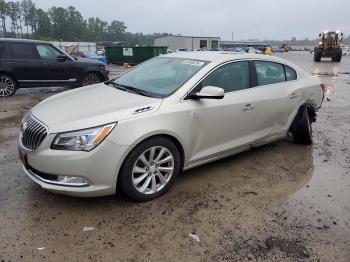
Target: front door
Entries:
(222, 125)
(55, 72)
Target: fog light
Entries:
(72, 181)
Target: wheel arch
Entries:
(310, 110)
(172, 138)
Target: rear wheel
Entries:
(150, 169)
(301, 128)
(8, 86)
(90, 79)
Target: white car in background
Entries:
(253, 50)
(137, 132)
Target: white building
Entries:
(174, 42)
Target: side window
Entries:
(269, 72)
(47, 52)
(23, 51)
(290, 73)
(230, 77)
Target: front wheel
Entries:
(150, 169)
(302, 129)
(90, 79)
(8, 86)
(317, 55)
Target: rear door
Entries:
(277, 98)
(22, 61)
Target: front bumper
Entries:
(98, 167)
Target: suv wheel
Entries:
(8, 86)
(90, 79)
(150, 169)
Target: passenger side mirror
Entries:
(209, 92)
(62, 58)
(319, 35)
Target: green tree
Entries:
(13, 11)
(76, 24)
(60, 25)
(44, 27)
(96, 28)
(116, 29)
(3, 14)
(28, 13)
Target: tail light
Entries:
(323, 87)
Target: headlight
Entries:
(82, 140)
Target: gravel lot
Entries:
(280, 202)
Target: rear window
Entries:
(269, 72)
(23, 51)
(290, 73)
(5, 51)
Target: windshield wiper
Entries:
(130, 89)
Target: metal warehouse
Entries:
(188, 42)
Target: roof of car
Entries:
(223, 56)
(216, 56)
(18, 40)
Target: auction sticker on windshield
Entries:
(193, 62)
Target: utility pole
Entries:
(232, 36)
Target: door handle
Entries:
(293, 95)
(248, 107)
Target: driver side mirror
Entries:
(319, 35)
(62, 58)
(209, 92)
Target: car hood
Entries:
(91, 106)
(89, 61)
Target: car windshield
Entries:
(161, 76)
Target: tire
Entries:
(8, 86)
(338, 55)
(90, 79)
(140, 178)
(302, 128)
(317, 55)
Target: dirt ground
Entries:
(280, 202)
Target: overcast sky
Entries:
(247, 19)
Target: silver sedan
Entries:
(137, 132)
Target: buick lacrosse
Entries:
(137, 132)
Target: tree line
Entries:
(25, 20)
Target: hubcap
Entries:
(90, 79)
(153, 170)
(6, 86)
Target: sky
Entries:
(242, 19)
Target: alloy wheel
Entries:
(153, 170)
(7, 86)
(90, 79)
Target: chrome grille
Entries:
(33, 132)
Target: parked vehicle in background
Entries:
(168, 114)
(329, 46)
(91, 55)
(253, 50)
(236, 50)
(346, 51)
(29, 63)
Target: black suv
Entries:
(28, 63)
